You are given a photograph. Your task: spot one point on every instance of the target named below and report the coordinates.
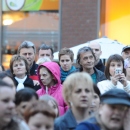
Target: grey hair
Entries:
(26, 44)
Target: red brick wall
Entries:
(79, 21)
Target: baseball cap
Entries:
(126, 47)
(115, 96)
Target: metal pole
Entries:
(98, 18)
(0, 31)
(60, 25)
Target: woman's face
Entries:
(112, 116)
(6, 105)
(95, 103)
(19, 68)
(114, 65)
(22, 106)
(46, 77)
(81, 96)
(40, 121)
(10, 82)
(54, 106)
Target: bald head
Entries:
(96, 47)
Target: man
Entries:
(66, 58)
(96, 47)
(86, 60)
(28, 50)
(126, 52)
(112, 113)
(45, 51)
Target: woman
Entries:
(78, 93)
(23, 97)
(66, 58)
(49, 78)
(114, 80)
(52, 102)
(19, 69)
(8, 79)
(39, 116)
(7, 106)
(95, 101)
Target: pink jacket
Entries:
(56, 90)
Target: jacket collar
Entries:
(71, 122)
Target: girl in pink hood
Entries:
(49, 78)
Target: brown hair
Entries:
(38, 107)
(116, 58)
(18, 58)
(66, 51)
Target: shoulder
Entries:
(59, 123)
(87, 126)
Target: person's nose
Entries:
(11, 105)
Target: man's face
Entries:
(29, 54)
(46, 53)
(87, 60)
(112, 116)
(126, 54)
(96, 50)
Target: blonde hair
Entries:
(74, 79)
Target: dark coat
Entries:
(65, 122)
(100, 75)
(100, 66)
(90, 124)
(28, 83)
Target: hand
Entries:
(123, 79)
(35, 82)
(127, 120)
(115, 78)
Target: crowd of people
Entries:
(63, 95)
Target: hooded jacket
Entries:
(56, 90)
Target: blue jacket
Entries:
(90, 124)
(65, 122)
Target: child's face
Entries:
(40, 121)
(54, 106)
(113, 66)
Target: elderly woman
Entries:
(78, 93)
(49, 78)
(19, 69)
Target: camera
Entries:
(118, 71)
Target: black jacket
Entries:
(100, 66)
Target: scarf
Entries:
(20, 83)
(64, 74)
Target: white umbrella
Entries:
(108, 48)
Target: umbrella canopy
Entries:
(108, 48)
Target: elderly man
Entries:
(126, 52)
(112, 112)
(96, 47)
(86, 60)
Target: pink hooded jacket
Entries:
(56, 90)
